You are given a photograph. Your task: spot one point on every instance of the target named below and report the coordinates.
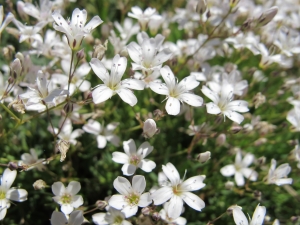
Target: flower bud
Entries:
(236, 129)
(101, 204)
(12, 166)
(149, 128)
(99, 50)
(203, 157)
(16, 68)
(63, 146)
(158, 113)
(229, 185)
(294, 219)
(221, 139)
(68, 108)
(80, 55)
(146, 211)
(8, 51)
(201, 6)
(257, 195)
(39, 184)
(261, 160)
(267, 16)
(258, 99)
(156, 216)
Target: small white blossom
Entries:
(130, 197)
(133, 159)
(7, 193)
(113, 216)
(178, 191)
(75, 218)
(240, 218)
(66, 197)
(149, 128)
(278, 175)
(164, 215)
(7, 20)
(176, 92)
(32, 158)
(143, 17)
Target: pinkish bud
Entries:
(203, 157)
(149, 129)
(267, 16)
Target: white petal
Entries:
(173, 106)
(248, 159)
(122, 185)
(234, 116)
(189, 83)
(58, 218)
(61, 22)
(145, 200)
(117, 201)
(129, 147)
(66, 208)
(134, 51)
(130, 210)
(101, 141)
(171, 172)
(249, 174)
(191, 99)
(133, 84)
(147, 165)
(99, 69)
(162, 57)
(159, 88)
(258, 215)
(18, 195)
(94, 22)
(168, 76)
(238, 105)
(8, 178)
(193, 201)
(283, 181)
(138, 184)
(162, 195)
(210, 94)
(239, 217)
(118, 68)
(127, 96)
(101, 94)
(77, 201)
(58, 188)
(99, 219)
(239, 178)
(128, 169)
(120, 157)
(73, 187)
(228, 170)
(145, 149)
(175, 207)
(193, 184)
(76, 218)
(92, 127)
(212, 108)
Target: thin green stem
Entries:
(10, 113)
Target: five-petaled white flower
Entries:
(164, 215)
(143, 17)
(75, 30)
(7, 193)
(279, 176)
(67, 197)
(75, 218)
(133, 159)
(176, 92)
(130, 196)
(178, 191)
(240, 218)
(112, 83)
(113, 216)
(240, 169)
(225, 104)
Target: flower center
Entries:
(134, 160)
(176, 190)
(2, 195)
(66, 199)
(133, 199)
(117, 220)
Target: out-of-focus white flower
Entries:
(113, 216)
(41, 13)
(149, 128)
(130, 197)
(31, 158)
(75, 30)
(29, 33)
(66, 197)
(293, 117)
(164, 215)
(112, 83)
(203, 157)
(8, 194)
(276, 222)
(75, 218)
(143, 17)
(240, 169)
(133, 159)
(103, 134)
(240, 218)
(7, 20)
(178, 191)
(279, 176)
(225, 104)
(176, 92)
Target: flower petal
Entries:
(173, 106)
(171, 172)
(101, 141)
(127, 96)
(147, 165)
(76, 218)
(58, 218)
(66, 208)
(99, 69)
(138, 184)
(73, 187)
(117, 201)
(162, 195)
(193, 201)
(228, 170)
(129, 147)
(58, 188)
(77, 201)
(258, 215)
(8, 178)
(122, 185)
(101, 94)
(212, 108)
(191, 99)
(145, 200)
(128, 169)
(238, 216)
(159, 88)
(193, 184)
(120, 157)
(175, 207)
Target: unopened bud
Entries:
(261, 160)
(208, 14)
(229, 185)
(17, 105)
(63, 146)
(294, 219)
(267, 16)
(12, 166)
(16, 68)
(149, 128)
(68, 108)
(236, 129)
(158, 113)
(257, 195)
(99, 50)
(146, 211)
(201, 6)
(101, 204)
(20, 56)
(260, 141)
(8, 52)
(21, 11)
(80, 55)
(258, 99)
(156, 216)
(203, 157)
(221, 139)
(39, 184)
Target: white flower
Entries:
(7, 20)
(29, 32)
(240, 169)
(75, 218)
(240, 218)
(167, 219)
(113, 216)
(133, 159)
(32, 158)
(75, 30)
(41, 13)
(130, 196)
(149, 128)
(8, 194)
(225, 104)
(278, 176)
(112, 83)
(177, 92)
(178, 191)
(67, 197)
(103, 134)
(143, 17)
(293, 117)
